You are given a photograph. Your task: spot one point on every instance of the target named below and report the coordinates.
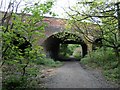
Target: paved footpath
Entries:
(73, 75)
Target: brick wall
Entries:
(54, 25)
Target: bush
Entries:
(112, 74)
(105, 59)
(101, 57)
(49, 62)
(13, 82)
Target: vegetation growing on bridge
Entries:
(67, 36)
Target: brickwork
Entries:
(54, 25)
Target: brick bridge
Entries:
(51, 43)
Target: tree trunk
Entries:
(117, 56)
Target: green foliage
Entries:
(97, 19)
(72, 47)
(112, 74)
(75, 50)
(68, 50)
(64, 50)
(48, 62)
(20, 48)
(14, 82)
(77, 53)
(67, 36)
(105, 59)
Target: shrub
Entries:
(49, 62)
(112, 74)
(13, 81)
(101, 57)
(105, 59)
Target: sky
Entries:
(57, 8)
(60, 4)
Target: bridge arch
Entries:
(52, 43)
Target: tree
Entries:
(100, 18)
(20, 33)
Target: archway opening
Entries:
(52, 44)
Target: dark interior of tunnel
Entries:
(52, 48)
